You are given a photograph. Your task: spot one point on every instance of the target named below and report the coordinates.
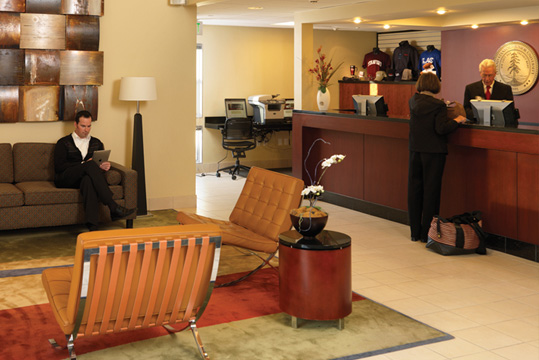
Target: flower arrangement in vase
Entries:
(323, 72)
(310, 220)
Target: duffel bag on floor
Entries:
(459, 234)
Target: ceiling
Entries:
(339, 14)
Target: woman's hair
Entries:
(428, 82)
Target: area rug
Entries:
(240, 322)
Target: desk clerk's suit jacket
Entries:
(67, 155)
(499, 91)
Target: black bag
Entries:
(460, 234)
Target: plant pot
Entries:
(308, 224)
(323, 99)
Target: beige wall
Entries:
(143, 38)
(240, 61)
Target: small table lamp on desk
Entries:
(315, 276)
(138, 89)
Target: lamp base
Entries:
(138, 165)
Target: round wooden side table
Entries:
(315, 276)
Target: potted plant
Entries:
(310, 220)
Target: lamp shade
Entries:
(138, 89)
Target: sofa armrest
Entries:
(129, 184)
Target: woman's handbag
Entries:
(459, 234)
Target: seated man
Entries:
(75, 169)
(486, 88)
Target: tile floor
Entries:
(490, 304)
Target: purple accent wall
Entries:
(463, 50)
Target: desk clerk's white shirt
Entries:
(81, 143)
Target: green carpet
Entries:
(371, 328)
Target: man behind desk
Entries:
(486, 88)
(75, 169)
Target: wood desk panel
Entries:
(488, 169)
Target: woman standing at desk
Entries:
(429, 126)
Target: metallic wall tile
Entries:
(77, 98)
(81, 68)
(82, 32)
(44, 6)
(13, 5)
(10, 30)
(11, 67)
(42, 67)
(83, 7)
(9, 104)
(39, 103)
(42, 31)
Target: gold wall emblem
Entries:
(517, 66)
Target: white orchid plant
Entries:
(313, 191)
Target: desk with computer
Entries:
(500, 113)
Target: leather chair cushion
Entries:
(233, 234)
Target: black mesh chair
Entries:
(238, 137)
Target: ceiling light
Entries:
(524, 22)
(255, 8)
(441, 11)
(386, 26)
(475, 26)
(357, 20)
(288, 23)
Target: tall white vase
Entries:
(323, 99)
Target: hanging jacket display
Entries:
(432, 56)
(405, 57)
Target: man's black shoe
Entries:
(120, 212)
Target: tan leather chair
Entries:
(134, 279)
(261, 213)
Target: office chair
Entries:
(238, 137)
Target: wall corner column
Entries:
(304, 96)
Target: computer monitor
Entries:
(370, 105)
(235, 108)
(495, 112)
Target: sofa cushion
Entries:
(6, 164)
(33, 162)
(45, 193)
(10, 196)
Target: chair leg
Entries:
(196, 335)
(70, 346)
(252, 272)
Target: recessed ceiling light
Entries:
(357, 20)
(255, 8)
(386, 26)
(524, 22)
(441, 11)
(475, 26)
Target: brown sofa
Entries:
(29, 199)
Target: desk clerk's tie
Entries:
(487, 94)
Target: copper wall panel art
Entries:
(11, 67)
(50, 63)
(42, 67)
(9, 104)
(82, 33)
(44, 6)
(10, 30)
(77, 98)
(13, 5)
(83, 7)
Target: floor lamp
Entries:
(138, 89)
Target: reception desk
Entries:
(495, 170)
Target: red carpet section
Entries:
(25, 331)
